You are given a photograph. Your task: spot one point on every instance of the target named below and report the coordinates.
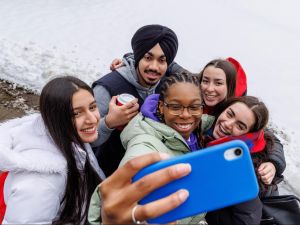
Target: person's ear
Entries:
(161, 107)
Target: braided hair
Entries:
(183, 77)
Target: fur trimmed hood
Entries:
(26, 145)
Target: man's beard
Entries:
(149, 82)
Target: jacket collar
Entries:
(255, 141)
(170, 137)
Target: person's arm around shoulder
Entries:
(175, 68)
(32, 197)
(277, 156)
(117, 63)
(276, 165)
(102, 98)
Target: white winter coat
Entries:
(36, 182)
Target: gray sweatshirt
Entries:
(103, 97)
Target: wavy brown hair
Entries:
(261, 115)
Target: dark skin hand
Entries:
(117, 191)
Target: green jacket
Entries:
(141, 136)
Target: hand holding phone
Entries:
(222, 175)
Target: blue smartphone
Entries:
(222, 175)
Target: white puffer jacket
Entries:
(36, 182)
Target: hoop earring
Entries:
(159, 115)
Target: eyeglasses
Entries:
(177, 109)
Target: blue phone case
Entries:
(215, 182)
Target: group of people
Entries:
(72, 164)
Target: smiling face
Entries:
(86, 115)
(152, 67)
(184, 94)
(236, 120)
(213, 85)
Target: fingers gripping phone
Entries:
(222, 175)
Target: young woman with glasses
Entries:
(167, 121)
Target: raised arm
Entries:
(119, 196)
(112, 115)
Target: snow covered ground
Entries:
(40, 39)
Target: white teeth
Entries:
(184, 126)
(210, 96)
(223, 130)
(89, 129)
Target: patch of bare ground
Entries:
(16, 101)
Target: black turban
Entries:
(148, 36)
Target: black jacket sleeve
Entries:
(246, 213)
(276, 155)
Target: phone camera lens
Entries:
(238, 152)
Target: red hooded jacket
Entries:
(241, 79)
(241, 84)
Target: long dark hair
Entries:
(57, 113)
(230, 73)
(261, 114)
